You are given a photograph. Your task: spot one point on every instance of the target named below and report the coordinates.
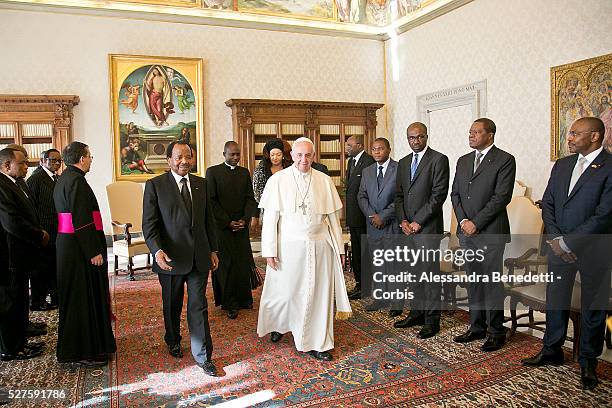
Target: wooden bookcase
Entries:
(327, 124)
(37, 122)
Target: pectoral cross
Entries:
(303, 207)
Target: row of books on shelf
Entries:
(37, 130)
(332, 164)
(337, 180)
(330, 146)
(35, 150)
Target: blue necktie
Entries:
(413, 167)
(379, 178)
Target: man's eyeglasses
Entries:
(58, 161)
(417, 137)
(573, 133)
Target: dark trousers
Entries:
(13, 323)
(44, 277)
(173, 290)
(356, 233)
(595, 292)
(427, 295)
(486, 299)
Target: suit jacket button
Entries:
(469, 197)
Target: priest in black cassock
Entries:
(84, 334)
(231, 193)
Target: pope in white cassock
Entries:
(301, 240)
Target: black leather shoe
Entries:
(24, 354)
(321, 355)
(175, 350)
(542, 359)
(355, 294)
(409, 321)
(275, 337)
(37, 325)
(40, 307)
(33, 331)
(92, 363)
(395, 313)
(428, 331)
(493, 343)
(588, 375)
(34, 345)
(209, 368)
(232, 314)
(469, 336)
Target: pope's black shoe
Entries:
(232, 314)
(588, 375)
(24, 354)
(321, 355)
(469, 336)
(542, 359)
(275, 337)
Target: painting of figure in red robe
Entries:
(155, 103)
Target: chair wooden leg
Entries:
(608, 333)
(513, 303)
(575, 317)
(116, 265)
(131, 269)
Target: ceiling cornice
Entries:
(202, 16)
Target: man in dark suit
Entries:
(376, 200)
(422, 187)
(41, 184)
(577, 214)
(230, 190)
(482, 189)
(179, 229)
(20, 237)
(355, 219)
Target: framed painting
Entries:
(580, 89)
(154, 101)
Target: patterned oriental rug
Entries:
(374, 365)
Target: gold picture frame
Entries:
(154, 101)
(582, 88)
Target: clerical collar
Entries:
(10, 178)
(356, 158)
(230, 166)
(48, 172)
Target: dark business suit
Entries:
(584, 219)
(44, 279)
(20, 237)
(355, 219)
(188, 240)
(482, 197)
(375, 199)
(420, 201)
